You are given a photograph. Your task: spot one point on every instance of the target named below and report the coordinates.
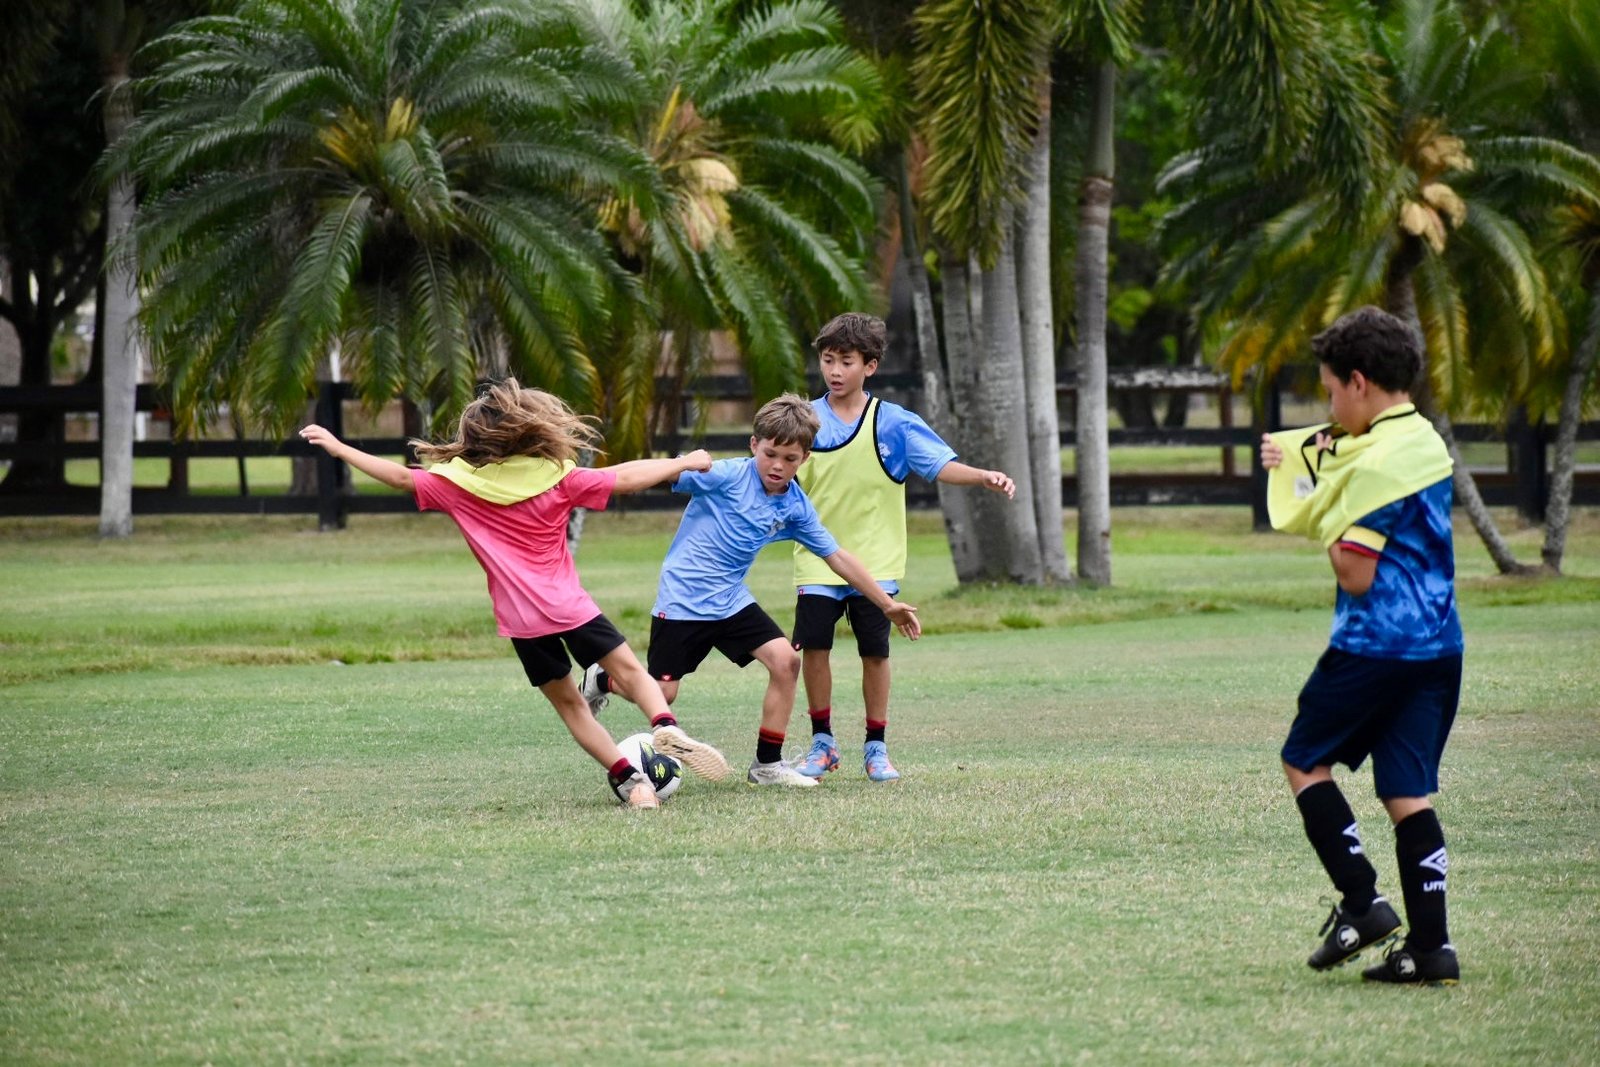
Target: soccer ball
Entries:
(664, 772)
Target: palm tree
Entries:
(412, 183)
(748, 114)
(976, 71)
(1430, 239)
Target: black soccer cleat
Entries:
(1348, 934)
(1404, 965)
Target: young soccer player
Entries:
(865, 449)
(1374, 489)
(737, 508)
(509, 481)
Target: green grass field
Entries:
(269, 795)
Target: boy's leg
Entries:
(815, 617)
(872, 629)
(777, 705)
(1361, 917)
(629, 678)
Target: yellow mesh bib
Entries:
(858, 502)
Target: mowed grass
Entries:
(274, 796)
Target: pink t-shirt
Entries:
(522, 548)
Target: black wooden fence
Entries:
(1522, 483)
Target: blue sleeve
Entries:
(1384, 519)
(693, 482)
(913, 446)
(809, 531)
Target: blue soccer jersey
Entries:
(1410, 610)
(730, 518)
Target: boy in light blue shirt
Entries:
(736, 509)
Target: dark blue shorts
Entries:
(1397, 711)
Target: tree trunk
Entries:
(1093, 438)
(1558, 511)
(120, 345)
(954, 503)
(1032, 236)
(35, 325)
(961, 379)
(1402, 301)
(1007, 528)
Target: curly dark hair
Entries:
(1384, 348)
(854, 331)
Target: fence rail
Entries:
(335, 500)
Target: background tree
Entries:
(412, 182)
(749, 116)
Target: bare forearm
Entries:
(851, 570)
(387, 471)
(956, 473)
(643, 473)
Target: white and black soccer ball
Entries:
(664, 772)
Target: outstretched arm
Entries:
(850, 569)
(954, 473)
(386, 471)
(643, 473)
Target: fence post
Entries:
(1267, 412)
(1525, 457)
(331, 473)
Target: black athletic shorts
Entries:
(1397, 711)
(544, 659)
(678, 646)
(815, 617)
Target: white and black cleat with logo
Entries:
(1404, 965)
(1348, 934)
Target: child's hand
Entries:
(698, 460)
(318, 436)
(1271, 453)
(1000, 482)
(904, 616)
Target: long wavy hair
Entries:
(508, 420)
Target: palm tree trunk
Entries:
(962, 364)
(1559, 508)
(120, 378)
(954, 504)
(1038, 352)
(1093, 438)
(1007, 527)
(1402, 301)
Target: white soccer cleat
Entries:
(698, 756)
(779, 773)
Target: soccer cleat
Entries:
(1348, 934)
(698, 756)
(779, 773)
(596, 697)
(1404, 965)
(875, 761)
(638, 793)
(822, 758)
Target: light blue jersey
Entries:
(905, 444)
(730, 518)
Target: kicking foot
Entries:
(698, 756)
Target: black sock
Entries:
(603, 680)
(1331, 827)
(821, 721)
(876, 728)
(1419, 846)
(769, 746)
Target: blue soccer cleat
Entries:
(875, 761)
(823, 757)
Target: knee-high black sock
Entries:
(1419, 846)
(1331, 827)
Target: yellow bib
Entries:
(510, 481)
(1320, 495)
(858, 502)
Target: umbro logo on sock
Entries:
(1355, 840)
(1436, 862)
